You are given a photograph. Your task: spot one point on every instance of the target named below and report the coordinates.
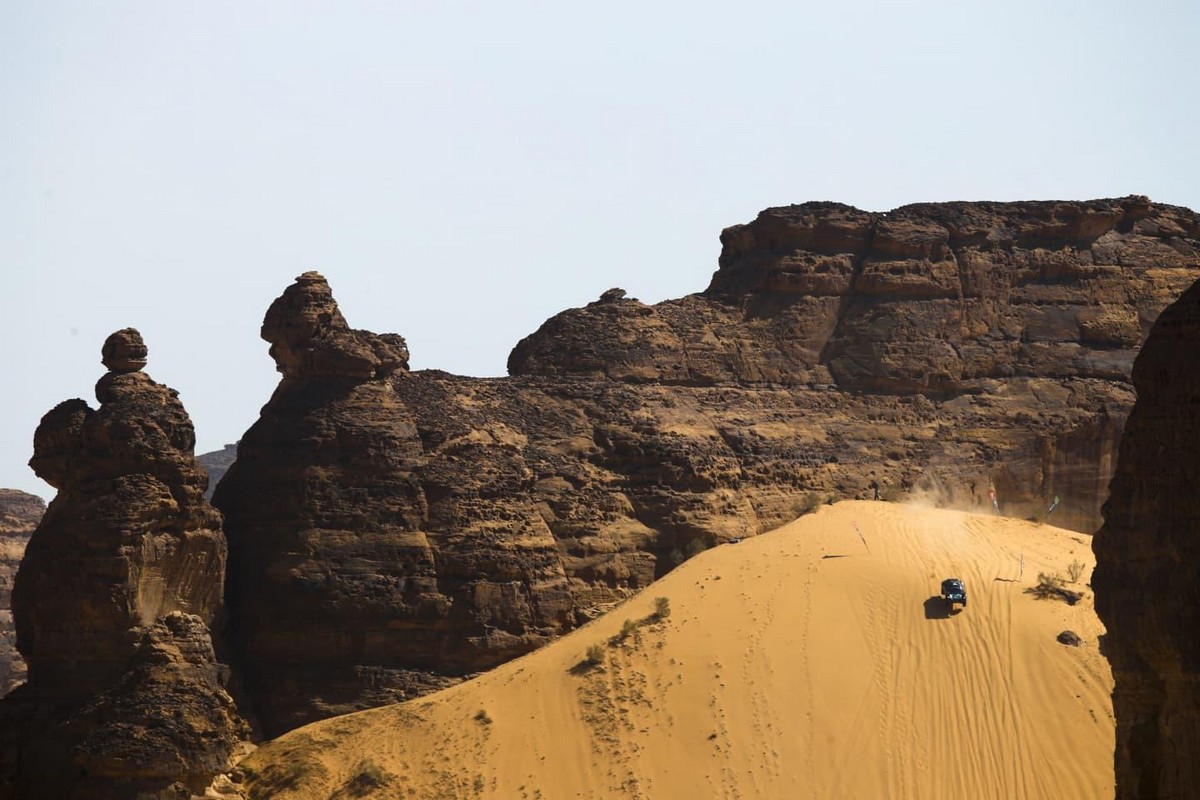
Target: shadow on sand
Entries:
(937, 608)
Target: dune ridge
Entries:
(813, 661)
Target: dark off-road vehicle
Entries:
(953, 592)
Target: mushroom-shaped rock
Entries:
(124, 351)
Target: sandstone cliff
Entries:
(1147, 577)
(113, 600)
(19, 515)
(391, 531)
(1042, 304)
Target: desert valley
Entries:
(688, 549)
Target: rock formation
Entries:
(963, 302)
(19, 515)
(1147, 577)
(391, 531)
(113, 600)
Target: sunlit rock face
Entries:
(114, 600)
(1147, 577)
(391, 531)
(1019, 321)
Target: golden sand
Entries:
(799, 664)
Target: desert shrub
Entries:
(595, 655)
(367, 778)
(1049, 581)
(297, 764)
(628, 628)
(1050, 586)
(807, 504)
(483, 717)
(1075, 571)
(662, 607)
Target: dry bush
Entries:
(807, 504)
(1075, 571)
(595, 655)
(662, 608)
(367, 778)
(1050, 587)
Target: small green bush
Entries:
(807, 504)
(483, 717)
(628, 628)
(662, 607)
(595, 655)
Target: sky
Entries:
(462, 171)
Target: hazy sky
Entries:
(461, 171)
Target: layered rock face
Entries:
(113, 603)
(390, 531)
(346, 588)
(1042, 304)
(19, 515)
(1147, 576)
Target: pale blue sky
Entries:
(461, 171)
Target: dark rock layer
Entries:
(19, 515)
(391, 531)
(113, 602)
(1147, 577)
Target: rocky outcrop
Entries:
(391, 531)
(113, 602)
(1147, 576)
(1042, 303)
(19, 515)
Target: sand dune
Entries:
(800, 664)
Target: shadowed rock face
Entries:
(1147, 577)
(113, 600)
(392, 531)
(19, 515)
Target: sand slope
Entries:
(799, 664)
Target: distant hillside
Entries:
(216, 463)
